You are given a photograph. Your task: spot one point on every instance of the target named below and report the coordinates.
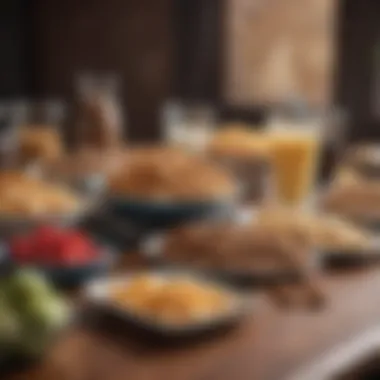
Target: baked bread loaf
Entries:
(323, 231)
(358, 200)
(247, 250)
(167, 174)
(22, 195)
(234, 248)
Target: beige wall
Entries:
(279, 47)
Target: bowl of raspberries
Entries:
(67, 257)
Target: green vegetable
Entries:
(30, 313)
(24, 286)
(10, 327)
(40, 322)
(46, 313)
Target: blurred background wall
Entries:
(15, 48)
(132, 38)
(237, 54)
(278, 48)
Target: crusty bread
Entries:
(324, 231)
(232, 247)
(160, 173)
(26, 196)
(356, 200)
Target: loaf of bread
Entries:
(22, 195)
(159, 173)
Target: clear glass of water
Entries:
(41, 139)
(188, 125)
(11, 115)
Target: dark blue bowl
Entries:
(167, 214)
(75, 276)
(68, 277)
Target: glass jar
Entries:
(40, 136)
(188, 125)
(98, 118)
(10, 118)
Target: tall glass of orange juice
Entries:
(295, 151)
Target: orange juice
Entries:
(294, 159)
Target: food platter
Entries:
(11, 224)
(351, 258)
(98, 293)
(165, 186)
(91, 199)
(152, 249)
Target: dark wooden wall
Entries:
(162, 48)
(15, 78)
(198, 49)
(356, 73)
(130, 37)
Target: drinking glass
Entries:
(40, 131)
(11, 114)
(297, 141)
(189, 125)
(99, 121)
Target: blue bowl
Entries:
(168, 214)
(68, 277)
(75, 276)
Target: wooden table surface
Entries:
(271, 344)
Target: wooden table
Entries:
(272, 344)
